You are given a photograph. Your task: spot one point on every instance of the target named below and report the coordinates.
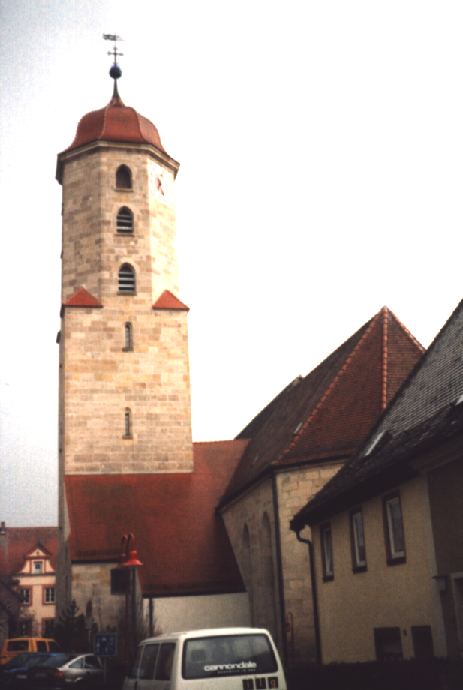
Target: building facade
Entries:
(27, 567)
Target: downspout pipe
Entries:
(313, 582)
(281, 592)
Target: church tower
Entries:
(124, 374)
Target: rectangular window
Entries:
(25, 594)
(394, 530)
(228, 655)
(48, 595)
(388, 644)
(327, 552)
(164, 661)
(423, 647)
(357, 535)
(37, 567)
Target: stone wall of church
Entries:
(295, 488)
(250, 523)
(103, 382)
(249, 520)
(124, 407)
(91, 590)
(93, 250)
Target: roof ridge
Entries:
(341, 370)
(406, 331)
(384, 357)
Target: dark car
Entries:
(13, 674)
(66, 671)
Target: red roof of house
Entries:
(116, 122)
(180, 539)
(82, 298)
(17, 542)
(169, 301)
(329, 412)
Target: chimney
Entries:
(2, 528)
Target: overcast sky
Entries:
(321, 150)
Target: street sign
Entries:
(105, 644)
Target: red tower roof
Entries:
(116, 122)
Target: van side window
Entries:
(148, 662)
(41, 646)
(164, 665)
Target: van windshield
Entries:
(228, 655)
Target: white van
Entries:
(213, 659)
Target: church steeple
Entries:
(125, 392)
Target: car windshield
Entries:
(16, 661)
(228, 655)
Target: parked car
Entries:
(13, 674)
(13, 646)
(66, 671)
(213, 659)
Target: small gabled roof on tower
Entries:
(169, 302)
(327, 414)
(82, 298)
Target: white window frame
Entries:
(326, 546)
(395, 554)
(358, 539)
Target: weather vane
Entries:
(115, 72)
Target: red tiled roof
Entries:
(169, 301)
(180, 540)
(19, 541)
(82, 298)
(116, 122)
(329, 412)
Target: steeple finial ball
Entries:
(115, 72)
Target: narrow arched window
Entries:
(127, 423)
(123, 177)
(126, 280)
(124, 221)
(128, 337)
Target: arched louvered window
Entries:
(127, 280)
(124, 221)
(123, 177)
(127, 423)
(128, 337)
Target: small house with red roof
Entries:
(27, 568)
(210, 520)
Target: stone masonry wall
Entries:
(258, 568)
(92, 249)
(92, 583)
(102, 381)
(295, 488)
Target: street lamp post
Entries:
(132, 563)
